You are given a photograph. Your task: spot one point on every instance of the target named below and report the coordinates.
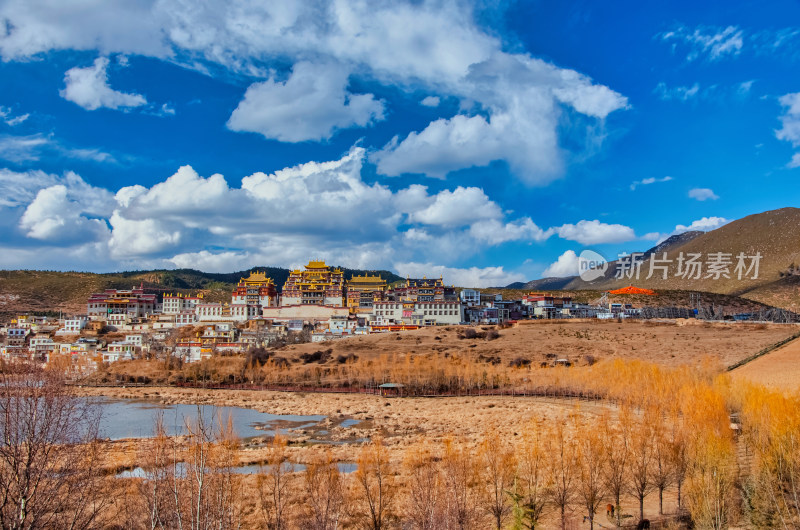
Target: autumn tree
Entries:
(375, 484)
(771, 423)
(563, 475)
(591, 462)
(617, 457)
(662, 469)
(711, 482)
(531, 491)
(640, 480)
(712, 472)
(497, 467)
(678, 447)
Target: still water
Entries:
(136, 419)
(138, 472)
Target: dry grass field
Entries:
(669, 343)
(778, 370)
(656, 369)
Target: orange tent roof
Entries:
(632, 290)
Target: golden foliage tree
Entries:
(497, 468)
(375, 485)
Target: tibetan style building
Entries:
(123, 303)
(364, 291)
(253, 294)
(318, 284)
(423, 290)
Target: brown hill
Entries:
(775, 235)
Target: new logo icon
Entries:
(591, 265)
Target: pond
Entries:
(136, 419)
(138, 472)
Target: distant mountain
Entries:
(544, 284)
(775, 235)
(673, 242)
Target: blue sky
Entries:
(488, 142)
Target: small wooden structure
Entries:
(391, 390)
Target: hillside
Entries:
(730, 304)
(50, 291)
(774, 234)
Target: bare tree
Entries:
(424, 503)
(460, 477)
(273, 485)
(190, 483)
(325, 493)
(159, 489)
(49, 453)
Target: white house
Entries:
(418, 313)
(73, 326)
(470, 297)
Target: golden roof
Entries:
(256, 277)
(316, 264)
(367, 279)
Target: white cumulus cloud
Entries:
(595, 233)
(462, 206)
(513, 102)
(566, 265)
(310, 105)
(706, 224)
(523, 98)
(496, 232)
(66, 210)
(88, 87)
